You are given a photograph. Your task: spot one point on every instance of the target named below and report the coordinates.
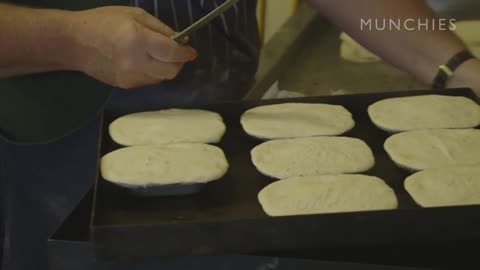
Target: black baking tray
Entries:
(225, 217)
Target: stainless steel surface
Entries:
(179, 37)
(318, 70)
(282, 49)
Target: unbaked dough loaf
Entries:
(435, 148)
(292, 120)
(445, 186)
(312, 156)
(168, 126)
(326, 194)
(165, 164)
(424, 112)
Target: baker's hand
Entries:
(126, 47)
(467, 75)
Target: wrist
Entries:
(69, 41)
(84, 40)
(53, 43)
(57, 42)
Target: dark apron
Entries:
(49, 122)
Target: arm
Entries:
(121, 46)
(32, 40)
(417, 52)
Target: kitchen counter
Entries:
(318, 70)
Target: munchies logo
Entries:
(409, 24)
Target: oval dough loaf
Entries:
(434, 148)
(326, 194)
(293, 120)
(312, 156)
(168, 126)
(445, 186)
(425, 112)
(164, 165)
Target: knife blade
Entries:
(179, 37)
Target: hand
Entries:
(126, 47)
(467, 75)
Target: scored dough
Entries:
(326, 194)
(292, 120)
(424, 112)
(445, 186)
(434, 148)
(164, 164)
(168, 126)
(312, 156)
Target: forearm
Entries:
(34, 40)
(418, 52)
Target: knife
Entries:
(179, 37)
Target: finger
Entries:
(154, 24)
(184, 41)
(162, 70)
(165, 49)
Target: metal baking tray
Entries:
(225, 217)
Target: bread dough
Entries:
(445, 186)
(435, 148)
(424, 112)
(164, 164)
(312, 156)
(326, 194)
(168, 126)
(292, 120)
